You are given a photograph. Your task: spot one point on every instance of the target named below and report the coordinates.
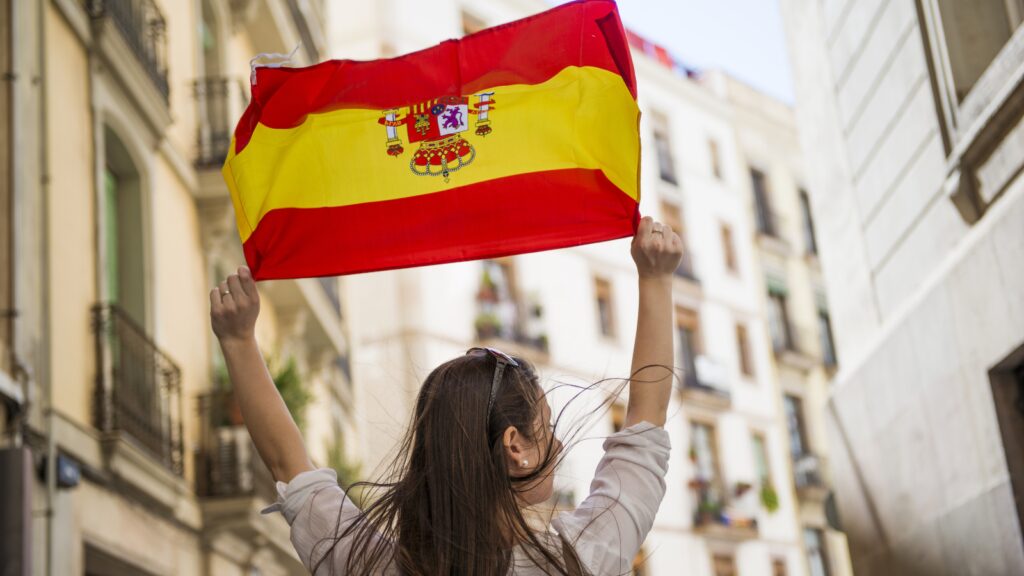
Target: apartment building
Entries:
(731, 506)
(122, 446)
(795, 306)
(910, 113)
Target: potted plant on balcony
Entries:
(742, 487)
(487, 325)
(293, 391)
(708, 511)
(488, 292)
(769, 497)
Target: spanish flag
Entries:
(519, 138)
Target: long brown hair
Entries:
(448, 505)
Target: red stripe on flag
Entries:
(522, 213)
(527, 51)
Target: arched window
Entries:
(123, 228)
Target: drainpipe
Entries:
(44, 379)
(11, 77)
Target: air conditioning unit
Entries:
(16, 511)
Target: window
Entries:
(778, 567)
(793, 408)
(814, 543)
(605, 311)
(687, 329)
(671, 215)
(498, 303)
(716, 160)
(810, 242)
(123, 241)
(704, 452)
(828, 351)
(743, 349)
(764, 473)
(723, 565)
(778, 320)
(471, 24)
(728, 248)
(762, 207)
(663, 146)
(975, 32)
(1007, 381)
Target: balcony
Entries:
(220, 100)
(227, 465)
(722, 518)
(810, 477)
(143, 29)
(706, 385)
(769, 231)
(137, 395)
(505, 320)
(794, 348)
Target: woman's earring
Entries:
(524, 463)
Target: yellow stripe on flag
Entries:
(583, 117)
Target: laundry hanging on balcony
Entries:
(519, 138)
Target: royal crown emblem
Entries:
(438, 126)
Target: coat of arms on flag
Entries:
(437, 124)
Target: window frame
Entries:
(664, 151)
(604, 300)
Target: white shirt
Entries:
(606, 530)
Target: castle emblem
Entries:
(438, 125)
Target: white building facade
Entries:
(911, 116)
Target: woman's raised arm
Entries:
(234, 306)
(656, 250)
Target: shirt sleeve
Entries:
(316, 508)
(607, 529)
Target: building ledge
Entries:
(134, 469)
(531, 353)
(705, 396)
(798, 359)
(774, 244)
(732, 533)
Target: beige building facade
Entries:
(910, 113)
(122, 444)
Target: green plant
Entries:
(769, 498)
(487, 324)
(348, 472)
(289, 384)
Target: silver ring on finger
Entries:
(225, 293)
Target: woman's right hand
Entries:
(656, 249)
(234, 307)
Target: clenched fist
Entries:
(234, 306)
(656, 249)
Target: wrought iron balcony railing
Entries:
(809, 471)
(220, 100)
(144, 30)
(227, 464)
(767, 221)
(137, 387)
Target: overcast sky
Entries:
(742, 37)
